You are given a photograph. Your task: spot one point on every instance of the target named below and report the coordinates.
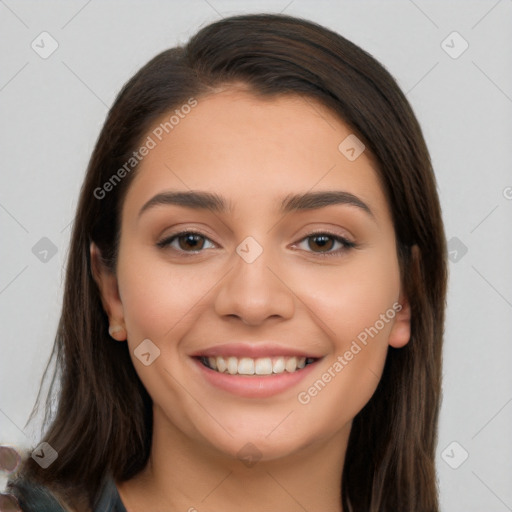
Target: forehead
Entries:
(243, 147)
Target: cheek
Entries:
(158, 296)
(351, 298)
(354, 308)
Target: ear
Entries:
(109, 292)
(401, 330)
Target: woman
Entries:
(255, 292)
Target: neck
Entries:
(184, 475)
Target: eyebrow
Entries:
(215, 203)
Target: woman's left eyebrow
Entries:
(200, 200)
(322, 199)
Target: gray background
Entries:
(52, 110)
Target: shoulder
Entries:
(34, 497)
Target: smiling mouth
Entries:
(256, 366)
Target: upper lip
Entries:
(253, 351)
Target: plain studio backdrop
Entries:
(62, 64)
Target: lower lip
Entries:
(252, 386)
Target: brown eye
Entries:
(186, 241)
(326, 244)
(190, 241)
(322, 243)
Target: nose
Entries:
(255, 291)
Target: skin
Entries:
(253, 152)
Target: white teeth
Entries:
(222, 366)
(278, 366)
(232, 365)
(259, 366)
(246, 366)
(263, 366)
(291, 364)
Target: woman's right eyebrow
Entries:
(202, 200)
(190, 199)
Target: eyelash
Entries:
(347, 244)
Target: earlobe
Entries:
(107, 284)
(118, 332)
(401, 330)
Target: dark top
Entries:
(33, 497)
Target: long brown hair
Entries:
(103, 421)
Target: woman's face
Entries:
(291, 259)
